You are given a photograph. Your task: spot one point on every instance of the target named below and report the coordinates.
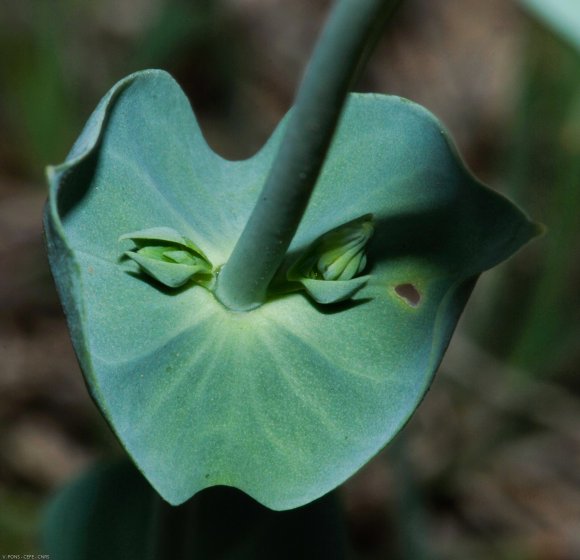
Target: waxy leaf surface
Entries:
(111, 513)
(562, 16)
(286, 401)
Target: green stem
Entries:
(334, 66)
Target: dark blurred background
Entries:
(490, 465)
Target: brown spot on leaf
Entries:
(409, 293)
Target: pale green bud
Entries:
(339, 254)
(170, 258)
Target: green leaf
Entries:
(154, 261)
(166, 234)
(324, 291)
(168, 257)
(562, 16)
(286, 401)
(105, 513)
(111, 513)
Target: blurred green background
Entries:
(490, 465)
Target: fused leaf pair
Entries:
(563, 16)
(288, 400)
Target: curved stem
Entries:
(335, 64)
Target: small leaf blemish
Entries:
(409, 293)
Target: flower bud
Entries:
(168, 257)
(339, 254)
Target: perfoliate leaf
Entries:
(108, 512)
(562, 16)
(111, 513)
(288, 400)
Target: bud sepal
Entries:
(165, 255)
(329, 269)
